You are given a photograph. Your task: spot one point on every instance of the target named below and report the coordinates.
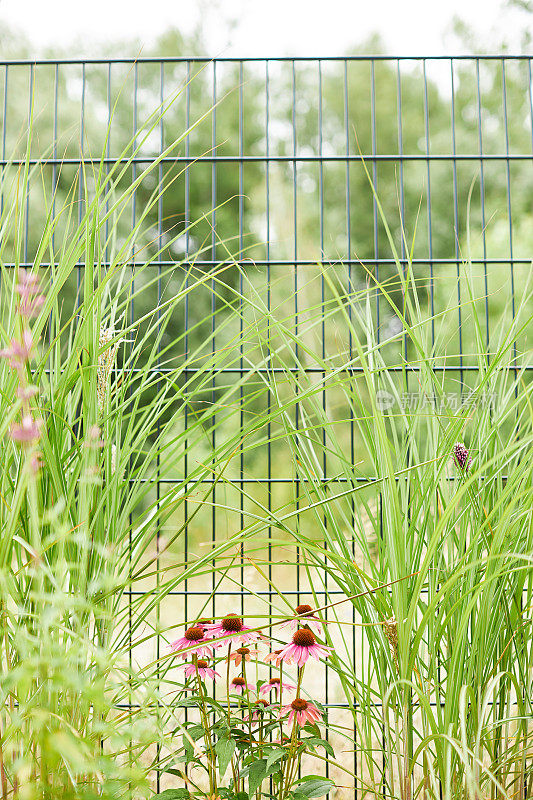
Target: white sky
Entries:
(265, 27)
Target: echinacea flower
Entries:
(303, 645)
(258, 708)
(302, 711)
(19, 353)
(461, 456)
(242, 654)
(28, 431)
(238, 685)
(306, 617)
(275, 683)
(232, 625)
(275, 657)
(204, 670)
(194, 640)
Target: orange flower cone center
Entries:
(232, 623)
(194, 634)
(299, 704)
(304, 638)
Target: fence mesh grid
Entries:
(273, 167)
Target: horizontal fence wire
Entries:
(274, 162)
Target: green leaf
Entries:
(314, 787)
(274, 755)
(256, 775)
(316, 741)
(187, 746)
(172, 794)
(195, 731)
(224, 749)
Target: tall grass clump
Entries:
(413, 479)
(92, 411)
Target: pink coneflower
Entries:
(204, 670)
(461, 456)
(302, 711)
(238, 685)
(243, 654)
(308, 618)
(194, 640)
(28, 290)
(258, 709)
(232, 625)
(19, 353)
(275, 683)
(303, 646)
(28, 431)
(275, 657)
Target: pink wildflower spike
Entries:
(27, 392)
(302, 711)
(306, 617)
(275, 683)
(19, 353)
(194, 640)
(258, 709)
(28, 282)
(94, 436)
(28, 289)
(232, 625)
(303, 646)
(204, 670)
(28, 431)
(461, 456)
(243, 654)
(36, 463)
(30, 306)
(238, 685)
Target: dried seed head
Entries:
(390, 629)
(105, 364)
(304, 638)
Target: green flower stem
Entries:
(290, 771)
(211, 764)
